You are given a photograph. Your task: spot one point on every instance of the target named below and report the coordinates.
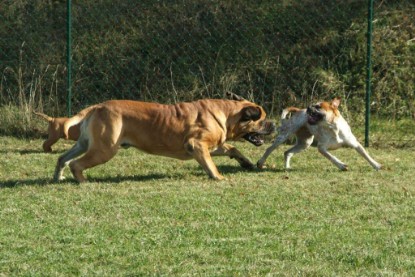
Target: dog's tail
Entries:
(288, 110)
(44, 116)
(233, 96)
(76, 119)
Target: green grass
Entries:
(148, 215)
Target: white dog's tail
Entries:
(288, 110)
(76, 119)
(44, 116)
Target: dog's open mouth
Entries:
(313, 117)
(254, 138)
(257, 138)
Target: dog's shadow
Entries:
(25, 182)
(224, 169)
(128, 178)
(32, 151)
(274, 169)
(70, 181)
(232, 170)
(23, 151)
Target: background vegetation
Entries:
(277, 53)
(148, 215)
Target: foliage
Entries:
(277, 53)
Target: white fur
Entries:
(330, 135)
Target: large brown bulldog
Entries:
(194, 130)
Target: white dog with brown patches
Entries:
(323, 122)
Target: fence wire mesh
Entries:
(276, 53)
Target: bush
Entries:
(277, 53)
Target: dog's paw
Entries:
(377, 167)
(58, 179)
(344, 167)
(248, 165)
(261, 165)
(218, 178)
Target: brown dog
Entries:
(193, 130)
(55, 130)
(323, 122)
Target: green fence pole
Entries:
(69, 58)
(368, 70)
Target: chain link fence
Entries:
(276, 53)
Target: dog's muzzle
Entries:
(257, 138)
(313, 116)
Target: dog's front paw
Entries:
(247, 165)
(57, 179)
(343, 167)
(218, 178)
(244, 162)
(377, 167)
(261, 165)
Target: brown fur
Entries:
(56, 130)
(192, 130)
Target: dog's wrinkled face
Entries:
(251, 125)
(323, 111)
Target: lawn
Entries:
(148, 215)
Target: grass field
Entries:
(148, 215)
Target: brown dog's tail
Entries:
(76, 119)
(44, 116)
(288, 110)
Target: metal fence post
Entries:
(69, 58)
(368, 69)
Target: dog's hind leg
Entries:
(359, 148)
(289, 127)
(78, 149)
(93, 157)
(302, 143)
(281, 138)
(103, 146)
(47, 144)
(53, 137)
(233, 153)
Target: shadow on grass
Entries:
(130, 178)
(223, 169)
(31, 151)
(235, 169)
(25, 182)
(22, 151)
(71, 181)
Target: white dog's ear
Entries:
(335, 103)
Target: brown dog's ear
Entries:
(335, 103)
(251, 113)
(233, 96)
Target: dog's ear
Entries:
(335, 103)
(251, 113)
(233, 96)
